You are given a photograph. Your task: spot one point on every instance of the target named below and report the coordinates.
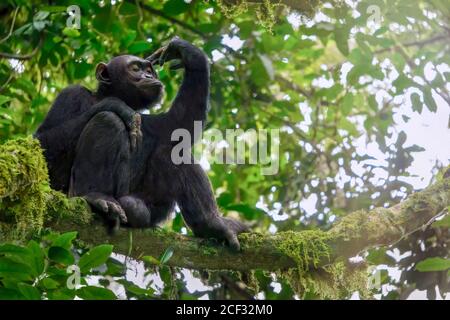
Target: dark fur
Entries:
(88, 148)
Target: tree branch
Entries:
(355, 232)
(28, 56)
(417, 43)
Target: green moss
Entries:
(306, 248)
(310, 250)
(23, 186)
(59, 207)
(209, 251)
(26, 199)
(334, 281)
(251, 240)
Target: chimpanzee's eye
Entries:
(149, 70)
(135, 68)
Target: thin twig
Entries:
(28, 56)
(12, 26)
(417, 43)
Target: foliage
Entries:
(332, 79)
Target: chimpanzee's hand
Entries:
(131, 118)
(182, 54)
(135, 132)
(222, 229)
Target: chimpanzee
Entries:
(98, 146)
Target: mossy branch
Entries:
(24, 180)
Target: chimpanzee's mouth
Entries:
(150, 82)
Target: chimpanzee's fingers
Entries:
(102, 205)
(117, 210)
(133, 143)
(164, 56)
(135, 132)
(232, 240)
(154, 57)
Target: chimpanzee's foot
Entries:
(222, 229)
(108, 207)
(137, 213)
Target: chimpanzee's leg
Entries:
(137, 212)
(101, 168)
(198, 206)
(188, 184)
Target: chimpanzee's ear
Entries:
(101, 73)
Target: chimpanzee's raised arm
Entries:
(191, 102)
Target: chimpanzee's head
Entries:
(131, 79)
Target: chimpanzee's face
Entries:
(133, 80)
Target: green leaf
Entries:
(9, 266)
(29, 292)
(95, 293)
(166, 255)
(354, 74)
(10, 294)
(379, 256)
(61, 255)
(262, 70)
(139, 46)
(443, 223)
(380, 31)
(115, 268)
(53, 8)
(347, 104)
(433, 264)
(399, 61)
(4, 99)
(150, 260)
(429, 100)
(50, 284)
(135, 290)
(41, 15)
(13, 249)
(95, 257)
(417, 104)
(402, 82)
(65, 240)
(175, 7)
(38, 257)
(209, 27)
(71, 32)
(341, 36)
(267, 63)
(61, 294)
(224, 199)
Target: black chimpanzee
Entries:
(97, 145)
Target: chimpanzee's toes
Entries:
(109, 208)
(233, 241)
(115, 210)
